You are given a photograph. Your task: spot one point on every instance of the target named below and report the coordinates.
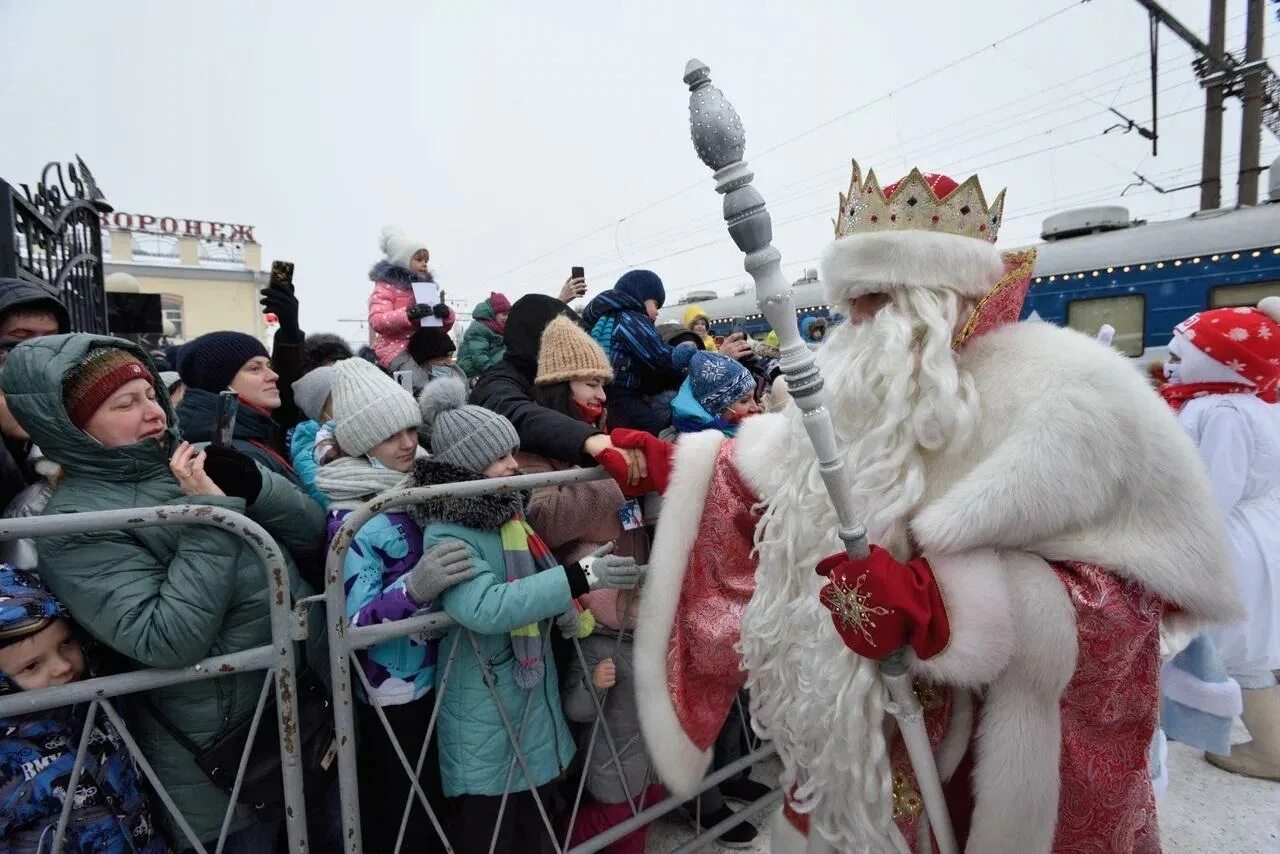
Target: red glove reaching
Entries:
(657, 456)
(879, 604)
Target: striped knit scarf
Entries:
(524, 553)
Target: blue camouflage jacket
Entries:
(110, 815)
(639, 357)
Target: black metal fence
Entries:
(53, 236)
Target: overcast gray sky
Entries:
(499, 132)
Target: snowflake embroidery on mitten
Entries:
(850, 605)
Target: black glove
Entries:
(419, 311)
(284, 306)
(441, 311)
(233, 472)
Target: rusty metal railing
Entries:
(276, 659)
(346, 640)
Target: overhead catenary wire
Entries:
(707, 222)
(826, 209)
(1081, 89)
(822, 125)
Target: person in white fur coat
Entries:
(1042, 500)
(1223, 369)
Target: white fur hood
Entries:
(1075, 458)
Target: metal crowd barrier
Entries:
(346, 640)
(277, 659)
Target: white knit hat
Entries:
(400, 247)
(368, 407)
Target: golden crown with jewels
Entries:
(919, 202)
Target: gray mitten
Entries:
(607, 570)
(439, 569)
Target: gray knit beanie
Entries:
(170, 379)
(470, 437)
(312, 390)
(368, 407)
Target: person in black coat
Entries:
(507, 388)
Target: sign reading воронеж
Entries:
(179, 227)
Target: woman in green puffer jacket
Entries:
(165, 597)
(483, 345)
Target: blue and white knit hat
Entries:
(716, 381)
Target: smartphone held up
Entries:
(225, 423)
(282, 275)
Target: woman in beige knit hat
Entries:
(575, 519)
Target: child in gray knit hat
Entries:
(472, 438)
(313, 394)
(388, 575)
(520, 592)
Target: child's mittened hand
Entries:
(608, 570)
(605, 675)
(440, 568)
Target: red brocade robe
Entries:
(1108, 710)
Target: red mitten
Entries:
(879, 604)
(616, 465)
(658, 456)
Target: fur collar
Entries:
(1075, 458)
(396, 275)
(480, 512)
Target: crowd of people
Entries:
(92, 422)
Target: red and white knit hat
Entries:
(1246, 341)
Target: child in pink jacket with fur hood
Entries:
(394, 313)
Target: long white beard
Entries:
(895, 394)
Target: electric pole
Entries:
(1214, 107)
(1251, 113)
(1223, 75)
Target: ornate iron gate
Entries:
(54, 236)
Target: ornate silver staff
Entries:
(720, 141)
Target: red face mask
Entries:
(591, 412)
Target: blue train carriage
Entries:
(740, 310)
(1098, 266)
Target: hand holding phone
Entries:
(575, 286)
(278, 298)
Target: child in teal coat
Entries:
(502, 680)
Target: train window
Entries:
(1226, 296)
(1127, 314)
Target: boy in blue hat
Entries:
(717, 394)
(39, 649)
